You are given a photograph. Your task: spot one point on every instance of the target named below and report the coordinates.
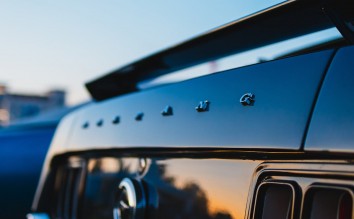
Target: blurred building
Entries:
(14, 106)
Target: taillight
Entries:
(345, 207)
(328, 202)
(274, 200)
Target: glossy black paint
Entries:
(102, 180)
(201, 188)
(205, 187)
(191, 171)
(332, 124)
(175, 188)
(285, 91)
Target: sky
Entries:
(63, 44)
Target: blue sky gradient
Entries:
(63, 44)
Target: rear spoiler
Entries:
(281, 22)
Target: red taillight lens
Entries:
(328, 202)
(345, 207)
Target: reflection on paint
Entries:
(113, 165)
(187, 188)
(210, 189)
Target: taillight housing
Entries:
(328, 202)
(275, 200)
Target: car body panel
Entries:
(284, 89)
(193, 149)
(332, 124)
(22, 152)
(211, 186)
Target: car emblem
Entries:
(116, 120)
(85, 125)
(248, 99)
(203, 106)
(168, 111)
(139, 116)
(99, 123)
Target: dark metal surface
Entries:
(174, 188)
(208, 187)
(285, 92)
(332, 124)
(281, 22)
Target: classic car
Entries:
(273, 140)
(20, 146)
(23, 147)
